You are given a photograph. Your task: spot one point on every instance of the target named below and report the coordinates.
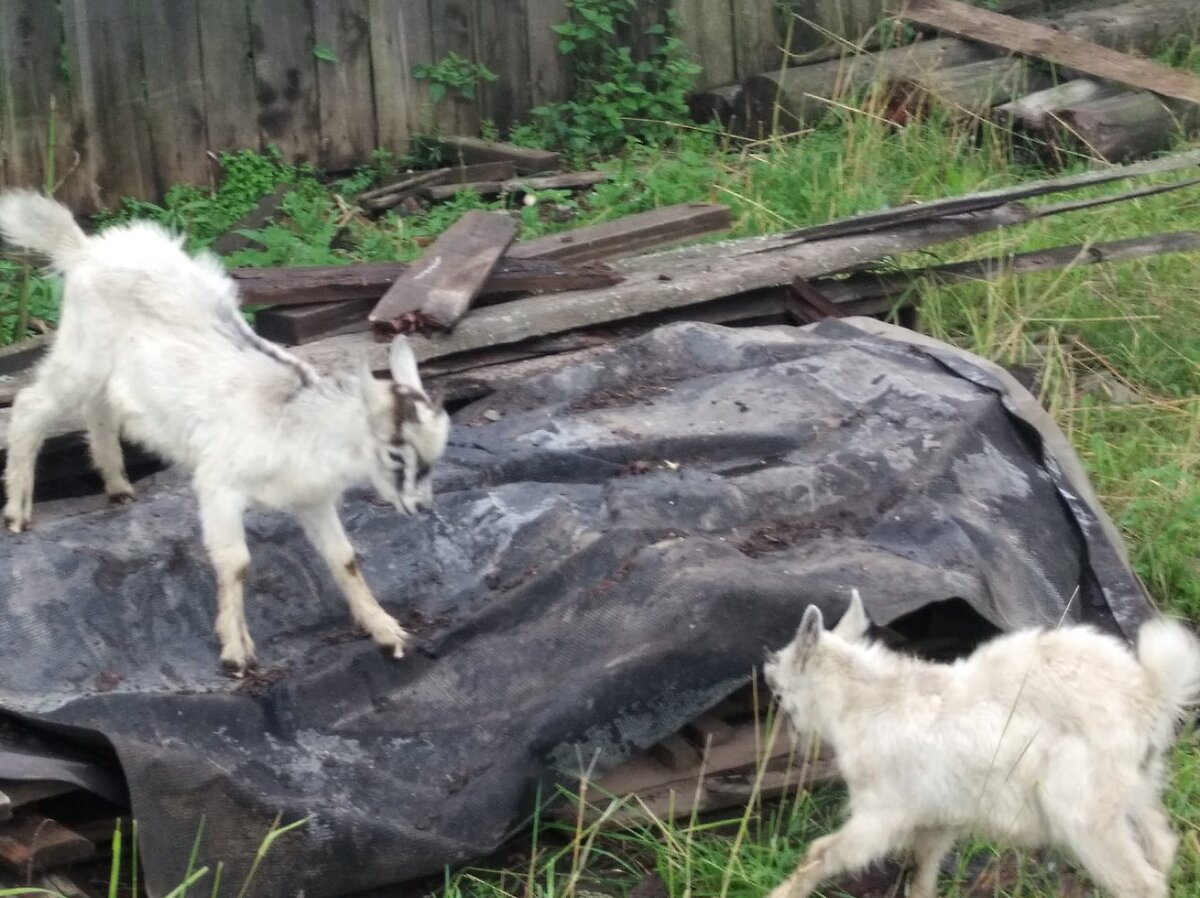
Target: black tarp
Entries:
(614, 547)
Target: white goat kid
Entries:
(151, 345)
(1038, 738)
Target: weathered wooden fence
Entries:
(126, 97)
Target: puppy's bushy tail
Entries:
(1170, 654)
(31, 221)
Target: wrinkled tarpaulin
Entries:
(569, 602)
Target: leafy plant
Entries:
(453, 73)
(617, 98)
(324, 53)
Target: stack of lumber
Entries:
(1078, 84)
(481, 309)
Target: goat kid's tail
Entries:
(31, 221)
(1170, 654)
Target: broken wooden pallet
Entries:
(295, 325)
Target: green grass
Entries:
(1119, 347)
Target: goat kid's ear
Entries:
(368, 390)
(854, 623)
(403, 362)
(809, 634)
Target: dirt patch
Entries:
(259, 682)
(495, 582)
(779, 535)
(634, 390)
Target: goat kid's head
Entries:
(791, 673)
(410, 432)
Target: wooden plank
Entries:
(566, 181)
(549, 68)
(1044, 42)
(502, 45)
(967, 90)
(757, 38)
(393, 194)
(454, 24)
(346, 106)
(401, 37)
(666, 281)
(108, 110)
(175, 103)
(281, 39)
(709, 730)
(460, 150)
(231, 241)
(30, 843)
(1126, 126)
(623, 236)
(227, 61)
(891, 286)
(706, 29)
(451, 274)
(914, 212)
(309, 285)
(20, 356)
(294, 325)
(34, 95)
(676, 753)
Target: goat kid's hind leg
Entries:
(929, 847)
(225, 539)
(863, 839)
(1155, 833)
(323, 527)
(104, 441)
(34, 410)
(1113, 858)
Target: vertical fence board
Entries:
(401, 37)
(281, 40)
(454, 25)
(502, 44)
(706, 29)
(30, 35)
(175, 92)
(757, 37)
(549, 70)
(110, 126)
(229, 91)
(347, 107)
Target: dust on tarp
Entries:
(572, 610)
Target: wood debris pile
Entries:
(1076, 85)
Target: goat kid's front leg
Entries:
(221, 513)
(105, 444)
(325, 530)
(863, 839)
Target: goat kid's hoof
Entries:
(238, 668)
(15, 525)
(390, 637)
(121, 498)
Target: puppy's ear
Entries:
(854, 623)
(809, 633)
